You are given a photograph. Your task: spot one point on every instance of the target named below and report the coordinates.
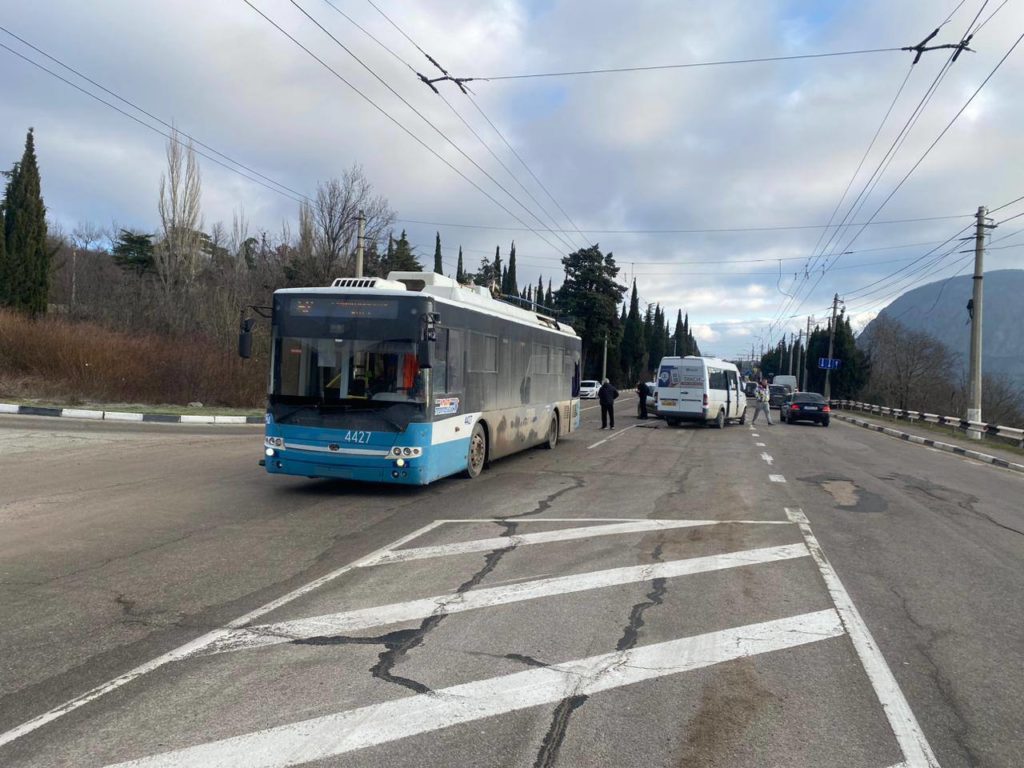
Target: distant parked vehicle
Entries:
(785, 381)
(806, 406)
(588, 389)
(776, 394)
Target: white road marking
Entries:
(541, 537)
(755, 435)
(343, 732)
(916, 750)
(759, 445)
(377, 616)
(192, 647)
(766, 458)
(612, 437)
(777, 478)
(592, 407)
(518, 520)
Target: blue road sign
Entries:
(829, 363)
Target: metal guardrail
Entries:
(1011, 434)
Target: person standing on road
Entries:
(641, 392)
(761, 404)
(606, 396)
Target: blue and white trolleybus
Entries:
(412, 378)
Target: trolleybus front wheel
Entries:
(477, 451)
(552, 440)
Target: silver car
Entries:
(588, 389)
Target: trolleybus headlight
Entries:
(399, 462)
(407, 451)
(397, 451)
(269, 451)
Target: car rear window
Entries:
(588, 383)
(808, 397)
(776, 389)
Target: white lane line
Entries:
(541, 537)
(381, 615)
(916, 751)
(755, 435)
(759, 445)
(777, 478)
(192, 647)
(766, 458)
(322, 737)
(607, 439)
(592, 407)
(518, 520)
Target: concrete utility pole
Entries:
(799, 351)
(807, 359)
(359, 244)
(974, 379)
(831, 342)
(789, 368)
(604, 360)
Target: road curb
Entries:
(160, 418)
(937, 444)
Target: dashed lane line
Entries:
(382, 615)
(322, 737)
(917, 752)
(759, 445)
(607, 439)
(541, 537)
(198, 644)
(777, 478)
(767, 459)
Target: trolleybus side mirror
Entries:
(245, 338)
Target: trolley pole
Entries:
(359, 244)
(807, 358)
(831, 343)
(975, 311)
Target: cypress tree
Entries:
(496, 265)
(539, 296)
(3, 260)
(460, 273)
(504, 281)
(437, 255)
(402, 258)
(513, 282)
(26, 264)
(549, 297)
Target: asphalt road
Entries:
(643, 597)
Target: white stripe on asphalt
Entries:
(190, 648)
(759, 445)
(766, 458)
(330, 735)
(524, 539)
(777, 478)
(366, 618)
(916, 750)
(602, 442)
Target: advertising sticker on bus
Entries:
(446, 406)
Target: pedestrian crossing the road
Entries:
(542, 599)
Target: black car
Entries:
(805, 406)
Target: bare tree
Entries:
(177, 258)
(328, 226)
(910, 369)
(84, 238)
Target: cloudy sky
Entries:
(767, 149)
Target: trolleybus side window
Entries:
(456, 360)
(483, 353)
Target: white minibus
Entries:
(703, 389)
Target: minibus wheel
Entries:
(720, 420)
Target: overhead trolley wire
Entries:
(423, 117)
(451, 107)
(687, 65)
(483, 114)
(393, 120)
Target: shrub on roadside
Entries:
(80, 361)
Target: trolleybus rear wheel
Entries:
(477, 451)
(552, 440)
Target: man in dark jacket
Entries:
(606, 396)
(641, 392)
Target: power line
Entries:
(392, 119)
(423, 117)
(144, 124)
(887, 159)
(689, 65)
(454, 111)
(692, 231)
